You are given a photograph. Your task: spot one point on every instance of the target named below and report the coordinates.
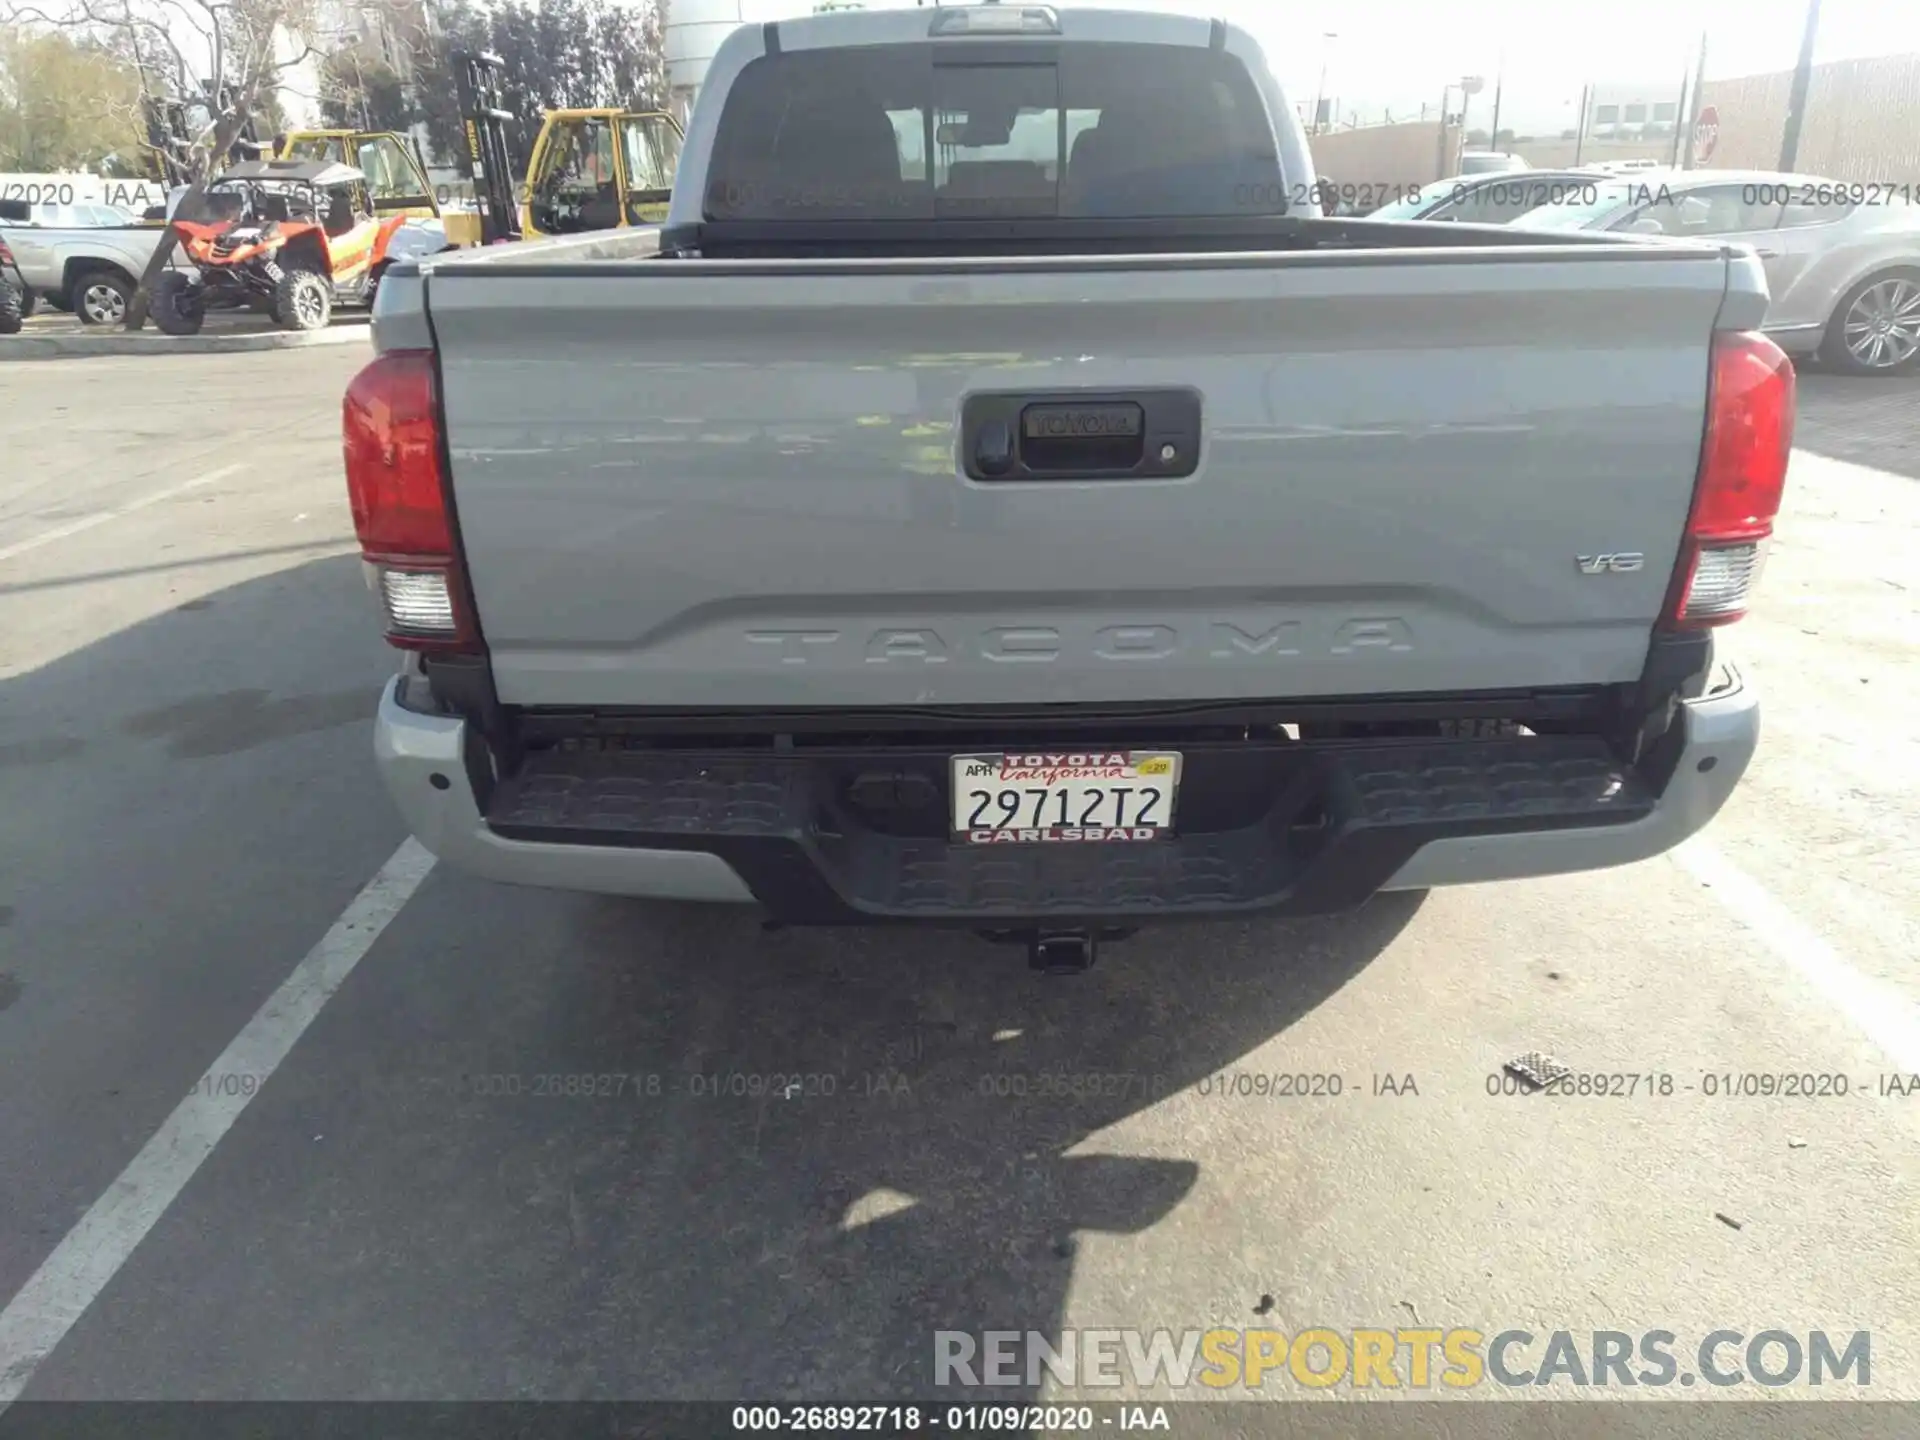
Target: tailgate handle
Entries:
(1130, 435)
(1057, 438)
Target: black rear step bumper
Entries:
(1328, 835)
(1280, 828)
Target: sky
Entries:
(1390, 51)
(1396, 54)
(1393, 56)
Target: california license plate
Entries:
(1072, 796)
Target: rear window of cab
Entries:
(1096, 130)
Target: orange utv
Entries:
(292, 238)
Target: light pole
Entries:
(1802, 78)
(1692, 118)
(1470, 86)
(1327, 37)
(1499, 83)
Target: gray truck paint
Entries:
(697, 482)
(49, 257)
(764, 505)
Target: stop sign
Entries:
(1706, 133)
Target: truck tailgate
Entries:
(716, 483)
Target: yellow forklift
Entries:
(594, 169)
(602, 169)
(395, 170)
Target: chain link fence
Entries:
(1862, 121)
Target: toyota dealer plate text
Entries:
(1071, 796)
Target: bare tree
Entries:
(218, 63)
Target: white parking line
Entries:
(76, 527)
(1886, 1018)
(60, 1291)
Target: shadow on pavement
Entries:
(554, 1146)
(789, 1159)
(185, 806)
(953, 1179)
(576, 1149)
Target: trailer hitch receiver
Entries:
(1062, 952)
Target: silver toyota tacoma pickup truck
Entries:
(997, 497)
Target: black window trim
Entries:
(1847, 210)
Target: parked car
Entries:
(1629, 167)
(80, 215)
(16, 302)
(1337, 199)
(1488, 162)
(1494, 199)
(1842, 259)
(943, 571)
(92, 270)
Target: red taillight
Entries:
(398, 491)
(6, 255)
(1743, 474)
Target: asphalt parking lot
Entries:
(188, 664)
